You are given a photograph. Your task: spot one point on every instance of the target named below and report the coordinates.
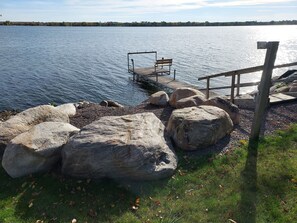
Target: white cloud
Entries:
(248, 2)
(159, 6)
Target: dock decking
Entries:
(164, 81)
(160, 75)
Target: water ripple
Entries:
(40, 65)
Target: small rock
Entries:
(68, 109)
(293, 89)
(82, 104)
(159, 98)
(110, 103)
(181, 93)
(227, 106)
(114, 104)
(282, 89)
(192, 101)
(103, 103)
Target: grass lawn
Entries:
(246, 185)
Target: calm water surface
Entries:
(40, 65)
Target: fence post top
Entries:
(266, 45)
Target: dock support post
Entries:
(133, 69)
(232, 87)
(174, 73)
(262, 98)
(238, 84)
(207, 88)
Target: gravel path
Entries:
(278, 117)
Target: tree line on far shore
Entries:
(148, 24)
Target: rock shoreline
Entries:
(128, 142)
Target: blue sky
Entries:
(148, 10)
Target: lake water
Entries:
(41, 65)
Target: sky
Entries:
(147, 10)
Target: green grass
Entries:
(247, 185)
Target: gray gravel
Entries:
(278, 116)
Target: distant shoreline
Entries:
(149, 24)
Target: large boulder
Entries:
(36, 150)
(159, 98)
(282, 89)
(192, 101)
(68, 109)
(120, 147)
(25, 120)
(198, 127)
(227, 106)
(184, 92)
(293, 87)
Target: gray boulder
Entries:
(110, 103)
(68, 109)
(37, 150)
(25, 120)
(114, 104)
(82, 104)
(198, 127)
(293, 89)
(192, 101)
(103, 103)
(159, 98)
(282, 89)
(120, 147)
(181, 93)
(227, 106)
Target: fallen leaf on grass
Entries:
(181, 173)
(30, 204)
(136, 204)
(157, 202)
(92, 213)
(35, 194)
(134, 208)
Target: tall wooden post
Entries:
(262, 98)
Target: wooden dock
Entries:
(164, 81)
(169, 82)
(160, 75)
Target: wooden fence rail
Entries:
(235, 75)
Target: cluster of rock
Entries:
(196, 122)
(120, 147)
(128, 147)
(285, 84)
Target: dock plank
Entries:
(147, 74)
(280, 97)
